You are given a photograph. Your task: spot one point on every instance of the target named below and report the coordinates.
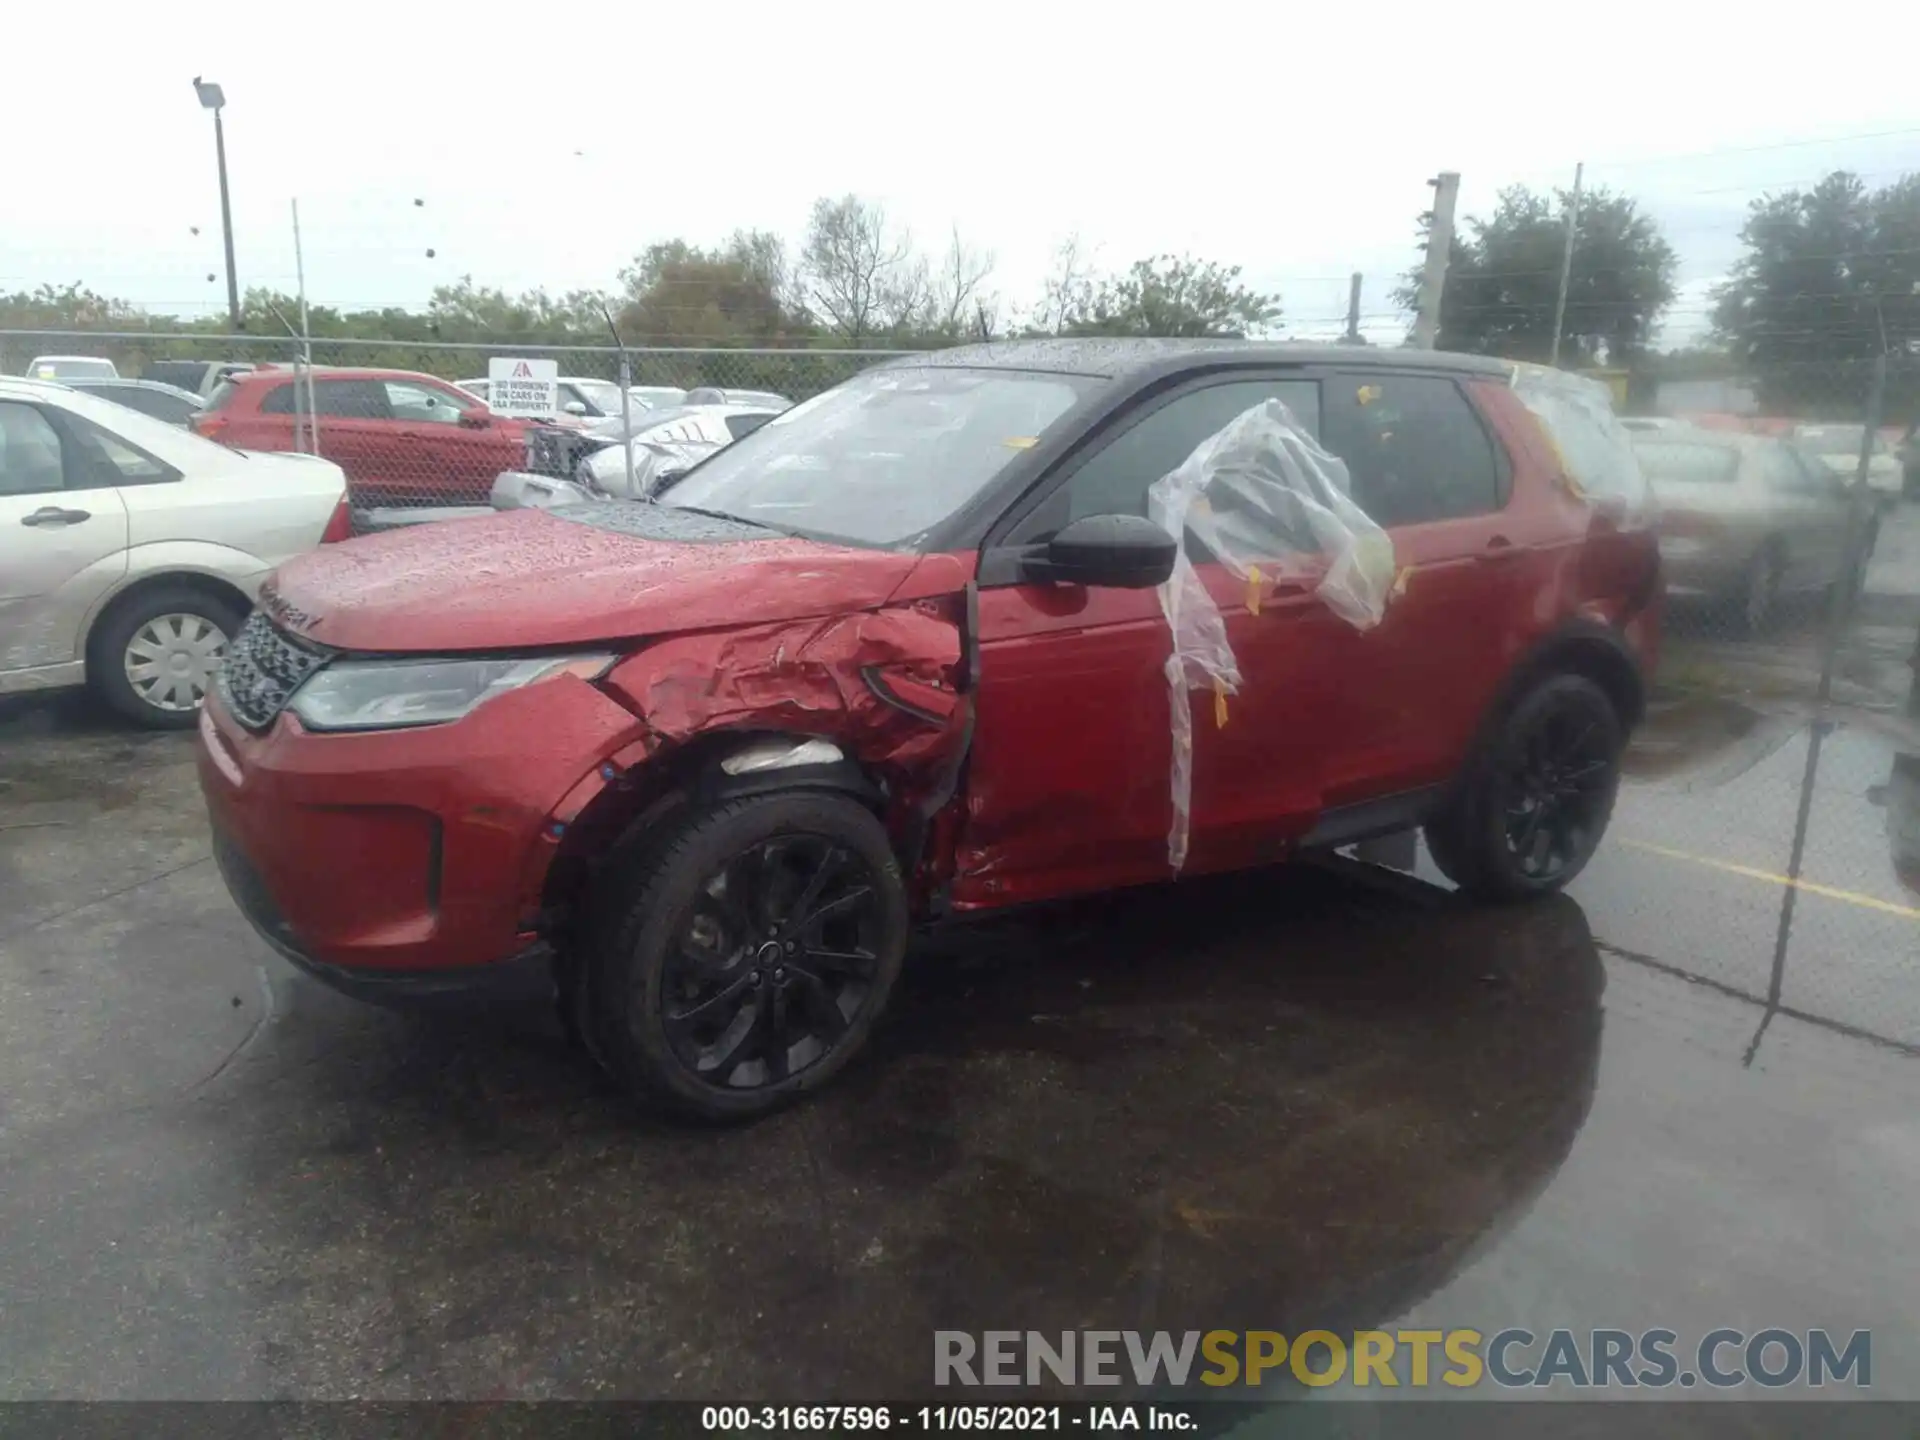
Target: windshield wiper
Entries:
(723, 515)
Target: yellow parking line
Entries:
(1811, 887)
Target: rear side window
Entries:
(738, 425)
(116, 461)
(1596, 450)
(277, 401)
(1415, 448)
(1684, 462)
(350, 399)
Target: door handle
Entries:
(54, 515)
(1499, 548)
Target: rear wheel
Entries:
(746, 960)
(1534, 802)
(154, 655)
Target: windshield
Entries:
(72, 367)
(1830, 439)
(603, 395)
(883, 458)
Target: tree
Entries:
(960, 303)
(1504, 273)
(1063, 288)
(737, 293)
(858, 273)
(1164, 295)
(1830, 278)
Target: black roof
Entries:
(1113, 357)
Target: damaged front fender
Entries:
(888, 687)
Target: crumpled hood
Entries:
(595, 572)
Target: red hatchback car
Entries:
(901, 653)
(402, 438)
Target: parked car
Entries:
(1744, 520)
(756, 399)
(150, 397)
(658, 397)
(199, 376)
(1838, 448)
(904, 653)
(564, 469)
(130, 550)
(72, 367)
(403, 439)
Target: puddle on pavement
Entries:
(1260, 1100)
(1689, 730)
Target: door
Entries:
(357, 434)
(443, 458)
(1070, 776)
(1412, 690)
(1810, 506)
(63, 542)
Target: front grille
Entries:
(554, 451)
(264, 666)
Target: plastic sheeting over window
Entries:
(1252, 494)
(1577, 414)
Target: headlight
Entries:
(389, 694)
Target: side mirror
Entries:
(575, 407)
(1122, 552)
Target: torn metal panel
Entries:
(1257, 491)
(885, 685)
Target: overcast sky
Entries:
(551, 142)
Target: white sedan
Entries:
(131, 550)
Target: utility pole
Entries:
(306, 338)
(1433, 277)
(1566, 265)
(213, 98)
(1353, 310)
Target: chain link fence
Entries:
(1767, 840)
(408, 423)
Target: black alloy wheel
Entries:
(1558, 790)
(773, 963)
(743, 955)
(1530, 807)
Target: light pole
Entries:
(213, 98)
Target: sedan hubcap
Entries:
(774, 962)
(171, 660)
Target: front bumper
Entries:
(400, 861)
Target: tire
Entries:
(694, 955)
(1478, 840)
(174, 633)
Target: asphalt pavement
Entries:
(1331, 1096)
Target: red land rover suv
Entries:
(899, 653)
(404, 439)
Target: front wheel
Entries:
(746, 959)
(1533, 803)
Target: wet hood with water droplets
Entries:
(589, 573)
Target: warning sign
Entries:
(527, 389)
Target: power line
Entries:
(1756, 149)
